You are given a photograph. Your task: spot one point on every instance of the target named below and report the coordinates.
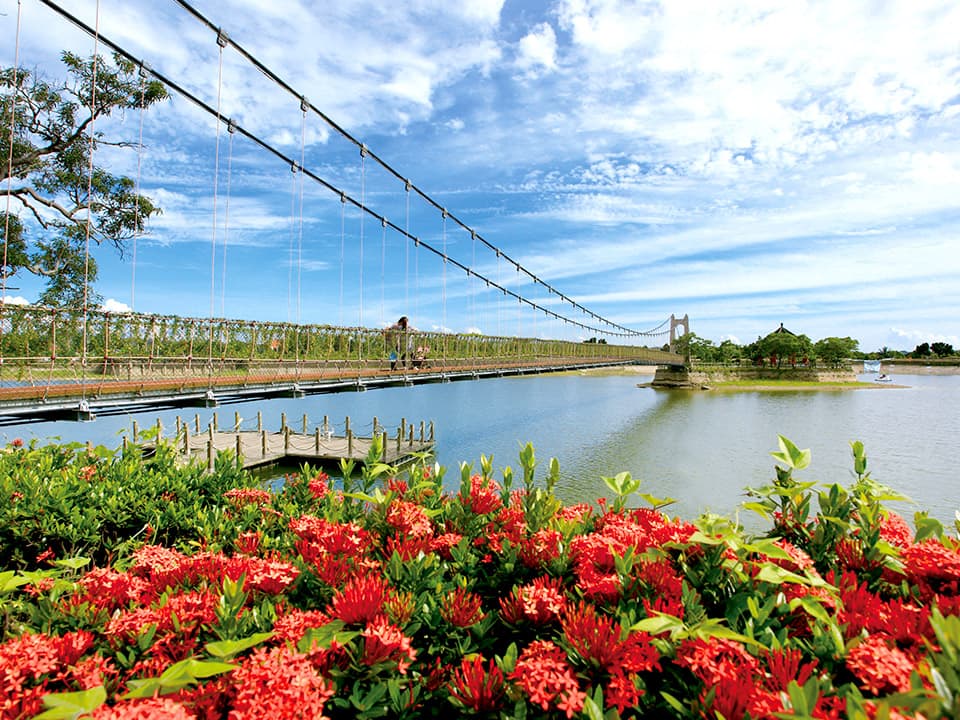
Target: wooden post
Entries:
(124, 444)
(349, 442)
(384, 440)
(376, 423)
(399, 440)
(213, 422)
(179, 424)
(263, 443)
(196, 422)
(326, 424)
(410, 435)
(347, 423)
(286, 440)
(239, 453)
(431, 431)
(186, 440)
(259, 421)
(316, 441)
(403, 427)
(159, 431)
(136, 431)
(210, 432)
(210, 454)
(422, 438)
(283, 422)
(236, 422)
(304, 423)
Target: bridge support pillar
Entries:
(674, 376)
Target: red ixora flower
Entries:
(278, 682)
(384, 642)
(241, 497)
(16, 442)
(462, 608)
(155, 708)
(539, 602)
(361, 600)
(544, 673)
(879, 668)
(477, 687)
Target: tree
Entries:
(922, 350)
(941, 349)
(834, 350)
(784, 346)
(51, 181)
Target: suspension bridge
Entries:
(78, 361)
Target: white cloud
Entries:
(537, 49)
(115, 306)
(15, 300)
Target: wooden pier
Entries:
(322, 445)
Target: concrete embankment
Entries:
(705, 377)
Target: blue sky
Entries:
(746, 163)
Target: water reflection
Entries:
(702, 448)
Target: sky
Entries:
(743, 163)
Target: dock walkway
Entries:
(257, 448)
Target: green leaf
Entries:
(226, 649)
(74, 563)
(790, 455)
(10, 581)
(776, 575)
(592, 710)
(659, 623)
(72, 704)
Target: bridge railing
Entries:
(40, 344)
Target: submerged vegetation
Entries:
(134, 588)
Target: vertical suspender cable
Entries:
(290, 242)
(383, 266)
(303, 153)
(6, 217)
(226, 221)
(221, 44)
(363, 215)
(343, 230)
(443, 288)
(136, 192)
(406, 245)
(86, 249)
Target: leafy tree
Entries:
(922, 350)
(51, 179)
(941, 349)
(728, 351)
(784, 346)
(833, 350)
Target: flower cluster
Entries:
(415, 602)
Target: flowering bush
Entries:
(389, 596)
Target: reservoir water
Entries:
(701, 448)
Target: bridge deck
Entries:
(257, 449)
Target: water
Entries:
(701, 448)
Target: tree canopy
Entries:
(51, 180)
(834, 350)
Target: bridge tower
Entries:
(674, 324)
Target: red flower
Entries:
(475, 687)
(462, 608)
(361, 599)
(896, 531)
(384, 642)
(318, 486)
(931, 561)
(443, 543)
(293, 625)
(241, 497)
(543, 672)
(483, 496)
(879, 668)
(539, 602)
(716, 658)
(409, 519)
(17, 442)
(784, 665)
(278, 683)
(87, 472)
(247, 542)
(540, 548)
(143, 709)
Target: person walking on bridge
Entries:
(400, 342)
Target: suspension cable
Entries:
(267, 72)
(363, 215)
(621, 331)
(6, 217)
